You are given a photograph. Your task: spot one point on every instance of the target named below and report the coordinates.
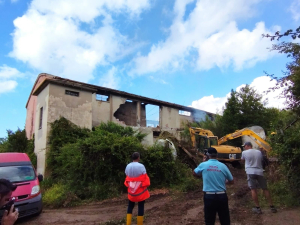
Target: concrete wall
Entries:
(148, 140)
(132, 114)
(31, 108)
(127, 113)
(30, 116)
(170, 118)
(114, 106)
(41, 134)
(56, 104)
(100, 111)
(184, 119)
(76, 109)
(86, 111)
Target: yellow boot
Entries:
(140, 220)
(129, 217)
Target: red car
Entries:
(18, 168)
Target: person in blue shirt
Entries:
(215, 176)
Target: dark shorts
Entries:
(256, 182)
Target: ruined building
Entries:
(88, 105)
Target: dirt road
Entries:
(168, 208)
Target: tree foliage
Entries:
(92, 163)
(291, 77)
(286, 142)
(294, 34)
(286, 146)
(245, 108)
(18, 142)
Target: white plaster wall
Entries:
(76, 109)
(100, 111)
(41, 134)
(169, 117)
(148, 140)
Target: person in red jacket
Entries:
(137, 182)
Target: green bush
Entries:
(62, 132)
(286, 147)
(59, 195)
(91, 165)
(281, 194)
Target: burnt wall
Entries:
(128, 113)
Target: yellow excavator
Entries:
(202, 139)
(250, 133)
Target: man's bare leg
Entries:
(268, 197)
(255, 197)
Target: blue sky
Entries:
(189, 52)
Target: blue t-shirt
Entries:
(214, 174)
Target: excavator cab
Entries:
(204, 142)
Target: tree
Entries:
(286, 142)
(243, 109)
(18, 142)
(214, 125)
(230, 114)
(291, 77)
(294, 34)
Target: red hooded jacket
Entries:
(137, 187)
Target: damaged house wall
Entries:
(132, 113)
(88, 105)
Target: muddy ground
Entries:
(166, 207)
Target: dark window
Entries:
(41, 118)
(72, 93)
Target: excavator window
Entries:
(213, 141)
(202, 143)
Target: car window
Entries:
(17, 173)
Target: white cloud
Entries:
(14, 1)
(52, 36)
(110, 79)
(295, 9)
(261, 84)
(209, 103)
(209, 37)
(7, 78)
(7, 86)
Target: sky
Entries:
(188, 52)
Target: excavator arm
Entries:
(254, 136)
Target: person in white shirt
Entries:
(255, 177)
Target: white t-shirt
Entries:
(135, 169)
(253, 161)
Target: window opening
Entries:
(103, 98)
(72, 93)
(152, 115)
(184, 113)
(41, 118)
